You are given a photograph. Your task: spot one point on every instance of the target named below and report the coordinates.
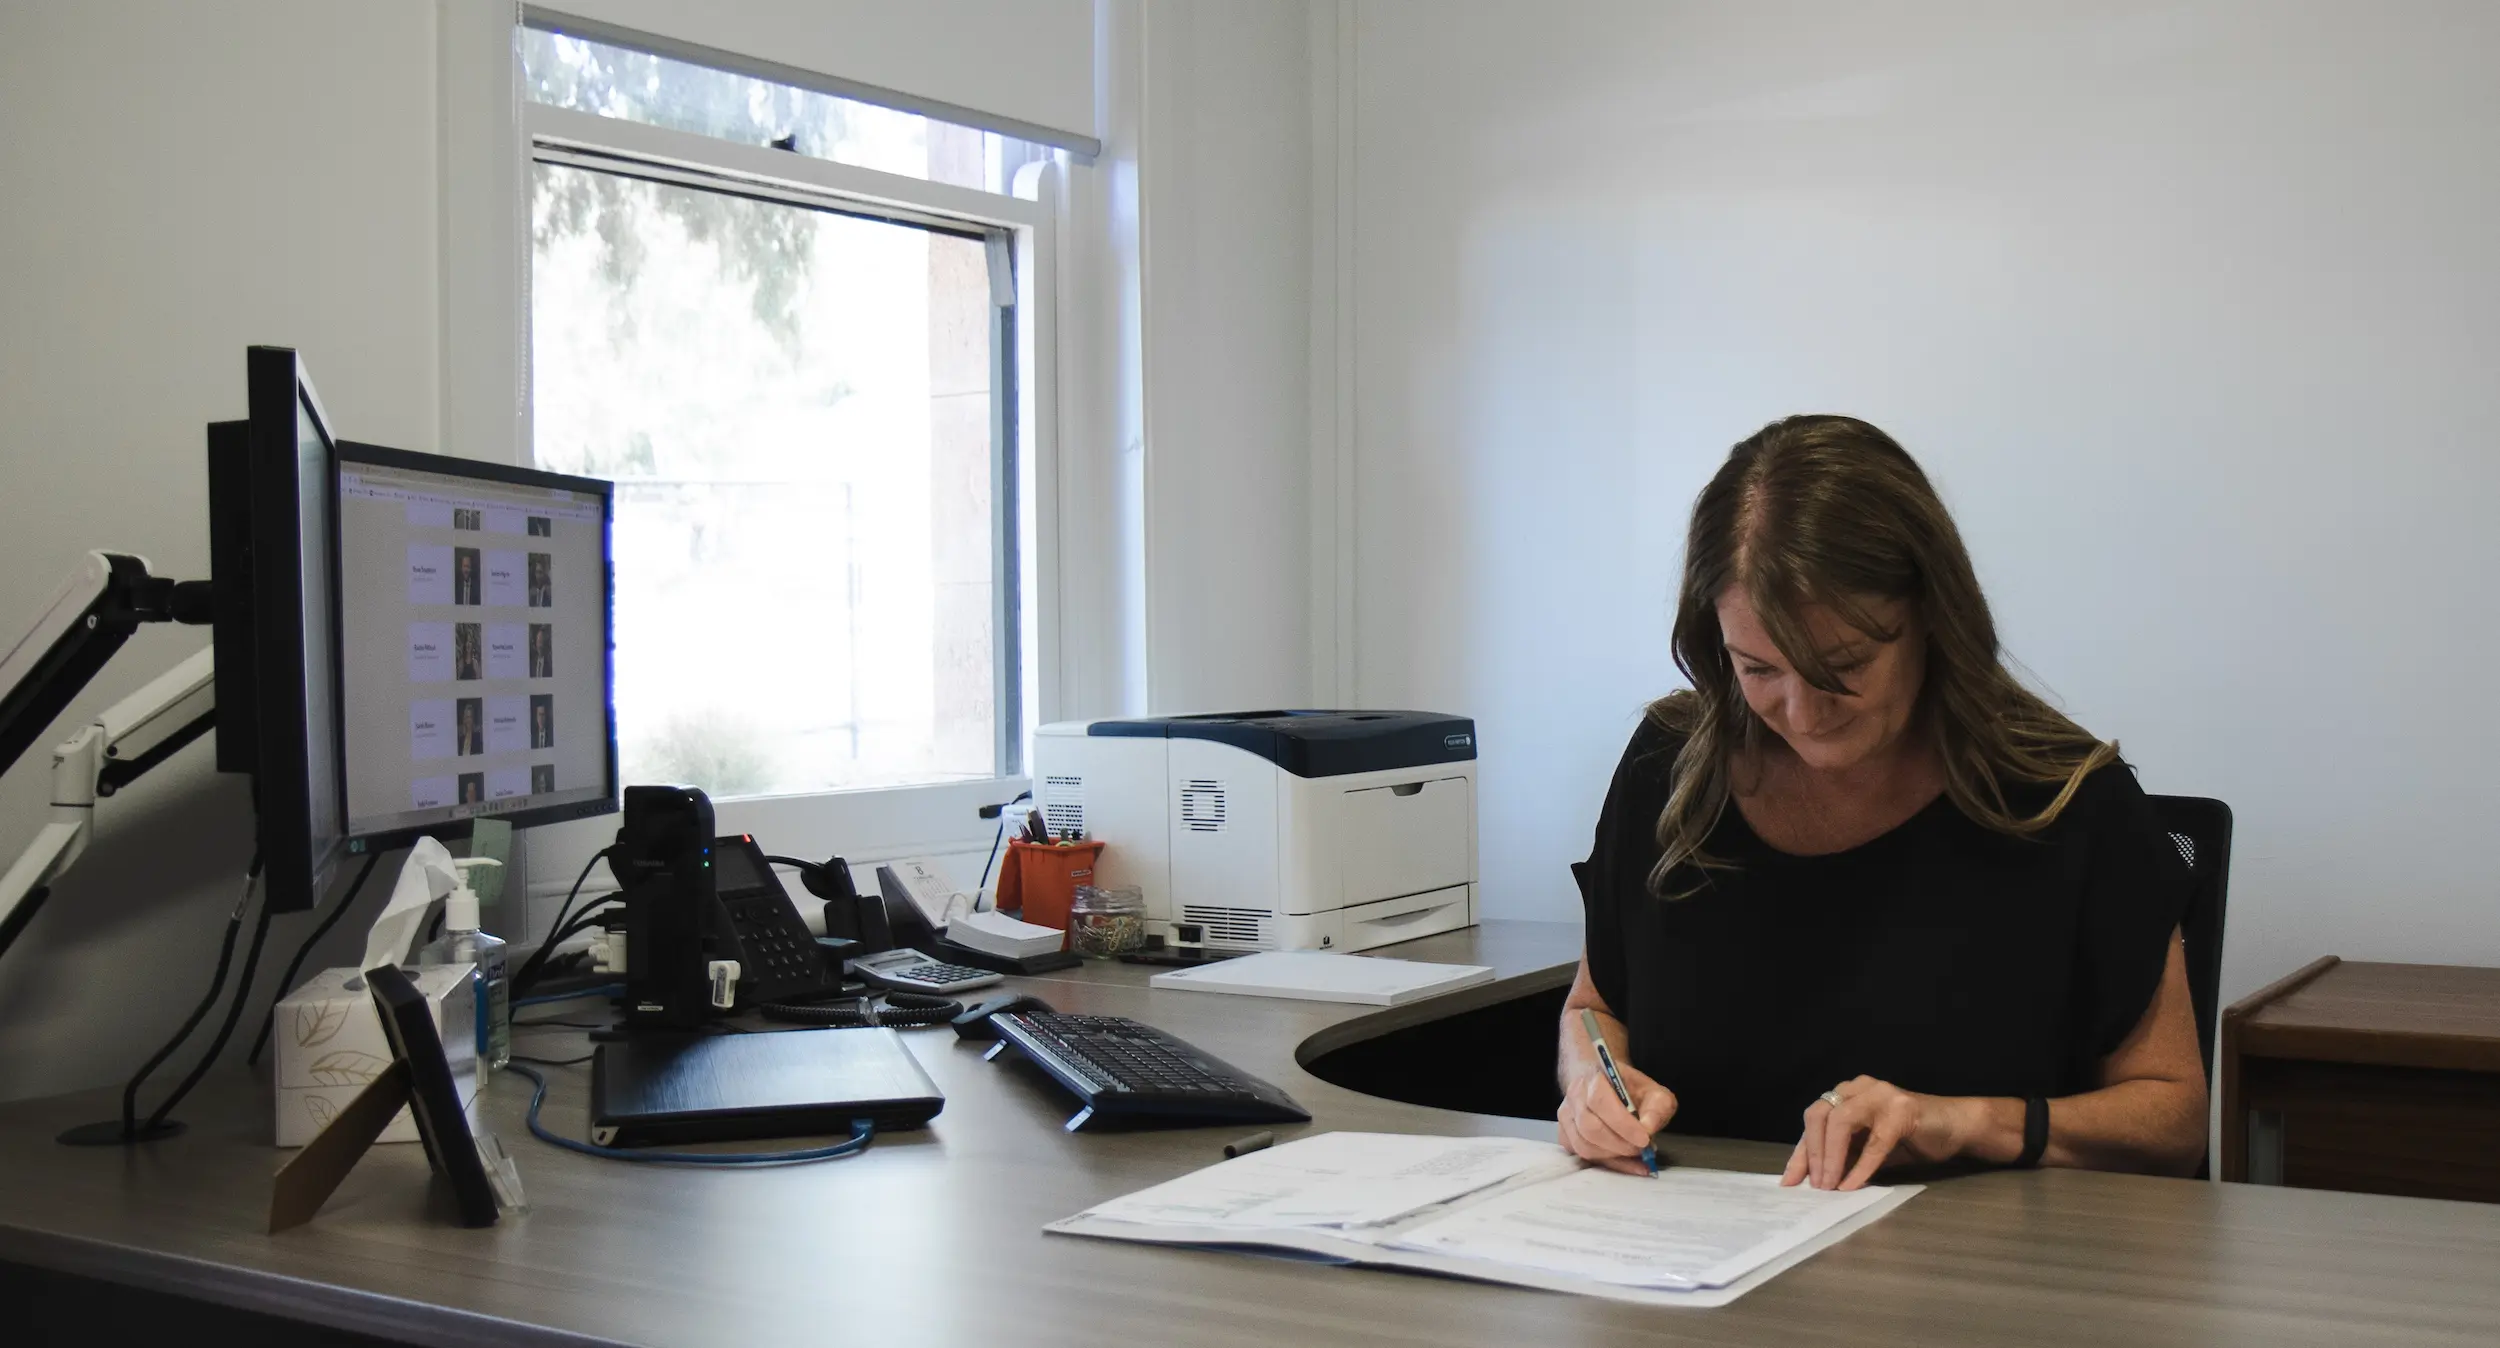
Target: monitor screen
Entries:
(474, 640)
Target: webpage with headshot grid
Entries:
(474, 617)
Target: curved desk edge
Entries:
(1390, 1020)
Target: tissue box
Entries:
(330, 1046)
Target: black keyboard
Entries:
(1132, 1074)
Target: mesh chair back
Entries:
(2201, 829)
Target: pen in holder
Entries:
(1041, 878)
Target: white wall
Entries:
(184, 180)
(2191, 309)
(1226, 178)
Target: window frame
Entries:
(870, 824)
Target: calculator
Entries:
(910, 971)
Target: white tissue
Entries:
(427, 875)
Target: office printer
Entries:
(1275, 830)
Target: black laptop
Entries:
(655, 1090)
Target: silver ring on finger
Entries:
(1830, 1097)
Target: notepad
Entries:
(1003, 936)
(1323, 976)
(1498, 1209)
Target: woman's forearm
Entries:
(2153, 1126)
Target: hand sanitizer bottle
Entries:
(462, 943)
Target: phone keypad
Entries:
(776, 956)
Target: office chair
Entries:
(2201, 829)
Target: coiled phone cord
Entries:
(902, 1011)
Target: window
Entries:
(609, 81)
(807, 400)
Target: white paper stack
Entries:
(1322, 976)
(1498, 1209)
(1003, 936)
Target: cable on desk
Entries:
(527, 974)
(997, 842)
(286, 981)
(234, 1016)
(589, 917)
(553, 1062)
(541, 962)
(861, 1131)
(902, 1011)
(603, 990)
(216, 985)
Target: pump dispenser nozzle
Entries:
(460, 906)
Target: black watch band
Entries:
(2035, 1132)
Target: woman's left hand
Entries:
(1895, 1125)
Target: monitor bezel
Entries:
(296, 867)
(383, 456)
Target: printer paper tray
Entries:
(1403, 919)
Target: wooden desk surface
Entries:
(2393, 1015)
(935, 1236)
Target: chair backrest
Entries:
(2201, 829)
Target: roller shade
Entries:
(1022, 68)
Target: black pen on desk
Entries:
(1606, 1063)
(1245, 1146)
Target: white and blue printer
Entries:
(1274, 830)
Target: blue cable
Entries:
(861, 1131)
(603, 990)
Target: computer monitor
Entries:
(475, 642)
(272, 490)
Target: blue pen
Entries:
(1606, 1062)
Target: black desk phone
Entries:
(778, 959)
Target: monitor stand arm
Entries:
(94, 613)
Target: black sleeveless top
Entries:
(1942, 957)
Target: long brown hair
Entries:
(1828, 510)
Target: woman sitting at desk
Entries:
(1858, 889)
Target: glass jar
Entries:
(1107, 920)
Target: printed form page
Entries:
(1680, 1229)
(1335, 1179)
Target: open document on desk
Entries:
(1499, 1209)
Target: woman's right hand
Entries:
(1595, 1126)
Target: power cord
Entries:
(902, 1011)
(603, 990)
(995, 843)
(129, 1129)
(527, 974)
(225, 1028)
(861, 1131)
(582, 922)
(296, 965)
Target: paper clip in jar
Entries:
(1106, 921)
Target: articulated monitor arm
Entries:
(88, 619)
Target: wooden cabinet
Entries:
(2374, 1078)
